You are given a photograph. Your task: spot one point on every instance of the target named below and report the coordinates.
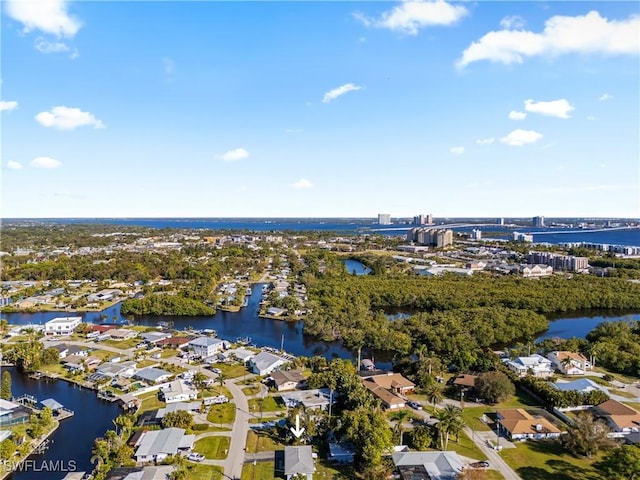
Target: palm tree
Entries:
(450, 422)
(222, 377)
(401, 417)
(125, 422)
(434, 394)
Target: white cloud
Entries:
(485, 141)
(590, 33)
(45, 162)
(8, 105)
(234, 155)
(67, 118)
(605, 96)
(512, 22)
(513, 115)
(11, 165)
(49, 16)
(520, 137)
(410, 16)
(555, 108)
(341, 90)
(457, 150)
(302, 184)
(45, 46)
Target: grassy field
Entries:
(214, 448)
(222, 413)
(215, 390)
(261, 442)
(465, 446)
(252, 390)
(150, 401)
(538, 460)
(203, 472)
(259, 471)
(269, 404)
(232, 371)
(472, 418)
(122, 344)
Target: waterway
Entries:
(355, 267)
(72, 442)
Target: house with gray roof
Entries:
(177, 391)
(156, 445)
(177, 407)
(264, 363)
(152, 375)
(111, 369)
(206, 346)
(154, 337)
(428, 465)
(298, 460)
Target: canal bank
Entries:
(69, 446)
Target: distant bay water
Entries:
(610, 236)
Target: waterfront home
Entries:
(173, 342)
(287, 380)
(62, 325)
(298, 461)
(177, 391)
(120, 334)
(275, 311)
(241, 354)
(367, 365)
(310, 399)
(104, 295)
(152, 375)
(13, 413)
(521, 425)
(160, 472)
(178, 407)
(154, 337)
(264, 363)
(535, 365)
(621, 418)
(206, 346)
(80, 363)
(111, 369)
(157, 445)
(394, 382)
(570, 363)
(428, 465)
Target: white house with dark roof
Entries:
(264, 363)
(298, 461)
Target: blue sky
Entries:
(304, 109)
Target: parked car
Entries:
(195, 457)
(415, 405)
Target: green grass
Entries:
(253, 390)
(621, 393)
(325, 471)
(465, 446)
(232, 371)
(214, 448)
(145, 363)
(259, 471)
(269, 404)
(472, 418)
(122, 344)
(222, 413)
(536, 460)
(168, 353)
(261, 442)
(203, 472)
(150, 401)
(216, 390)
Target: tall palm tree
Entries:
(450, 422)
(401, 417)
(434, 394)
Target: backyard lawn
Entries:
(214, 448)
(258, 471)
(269, 404)
(222, 413)
(150, 401)
(535, 460)
(261, 442)
(252, 390)
(203, 472)
(232, 371)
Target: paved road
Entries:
(235, 458)
(495, 460)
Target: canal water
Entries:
(355, 267)
(71, 444)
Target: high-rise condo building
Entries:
(384, 219)
(538, 221)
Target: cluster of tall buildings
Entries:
(558, 261)
(538, 222)
(433, 237)
(423, 219)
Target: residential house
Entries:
(177, 391)
(152, 375)
(111, 369)
(120, 334)
(284, 380)
(104, 295)
(276, 312)
(529, 271)
(13, 413)
(178, 407)
(570, 363)
(62, 325)
(241, 354)
(265, 363)
(583, 385)
(535, 365)
(157, 445)
(394, 382)
(465, 380)
(521, 425)
(174, 342)
(621, 418)
(428, 465)
(154, 337)
(206, 346)
(319, 398)
(298, 461)
(80, 363)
